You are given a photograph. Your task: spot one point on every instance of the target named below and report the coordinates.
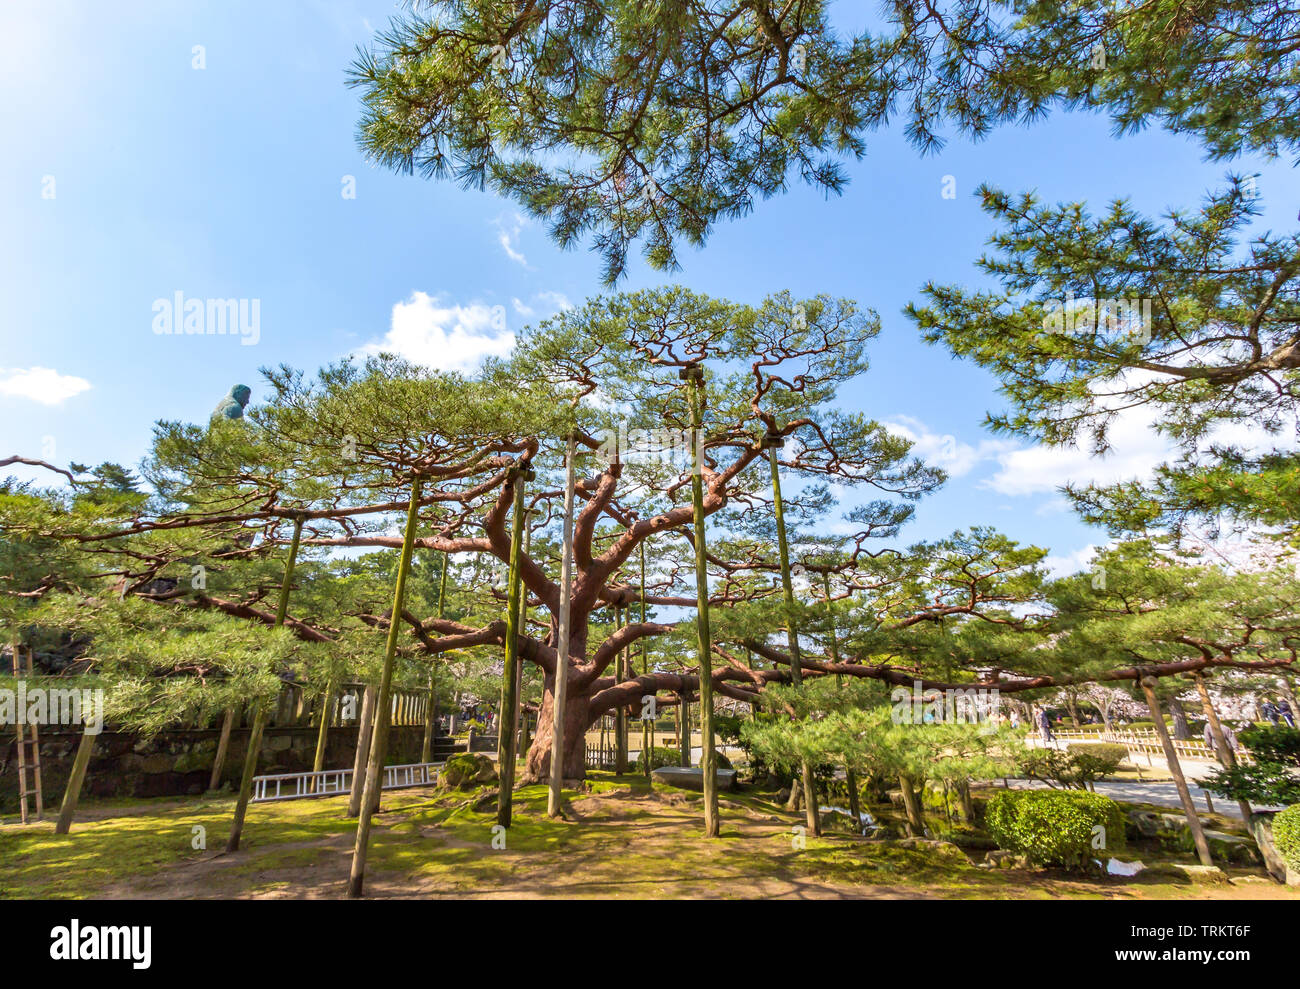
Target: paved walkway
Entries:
(1162, 793)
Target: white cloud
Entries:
(1136, 450)
(523, 309)
(508, 231)
(41, 384)
(445, 337)
(946, 451)
(1070, 563)
(558, 300)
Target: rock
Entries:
(1211, 874)
(192, 762)
(1261, 826)
(1002, 859)
(1144, 824)
(156, 763)
(783, 795)
(466, 770)
(692, 779)
(1234, 849)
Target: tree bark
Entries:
(365, 733)
(1182, 731)
(912, 805)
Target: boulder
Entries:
(466, 771)
(1211, 874)
(692, 779)
(1234, 849)
(1143, 824)
(1261, 826)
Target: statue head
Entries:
(232, 406)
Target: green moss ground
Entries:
(620, 839)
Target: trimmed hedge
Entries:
(1286, 835)
(1055, 827)
(659, 758)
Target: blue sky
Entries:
(227, 181)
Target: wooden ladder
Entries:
(29, 748)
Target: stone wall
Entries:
(177, 763)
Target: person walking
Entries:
(1269, 711)
(1229, 737)
(1045, 727)
(1287, 714)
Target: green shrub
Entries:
(1110, 752)
(1262, 783)
(1286, 835)
(1273, 743)
(1055, 827)
(658, 759)
(1075, 767)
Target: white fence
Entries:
(332, 782)
(1146, 742)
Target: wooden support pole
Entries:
(1227, 758)
(223, 746)
(562, 654)
(259, 707)
(379, 745)
(361, 757)
(510, 674)
(1149, 684)
(647, 725)
(72, 795)
(850, 777)
(811, 817)
(694, 376)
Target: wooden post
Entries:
(361, 757)
(694, 375)
(647, 726)
(72, 795)
(431, 711)
(1148, 684)
(850, 777)
(620, 713)
(379, 745)
(1221, 748)
(259, 707)
(562, 653)
(322, 734)
(510, 675)
(772, 444)
(223, 746)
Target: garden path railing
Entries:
(332, 782)
(1147, 743)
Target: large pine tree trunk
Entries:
(1182, 731)
(577, 719)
